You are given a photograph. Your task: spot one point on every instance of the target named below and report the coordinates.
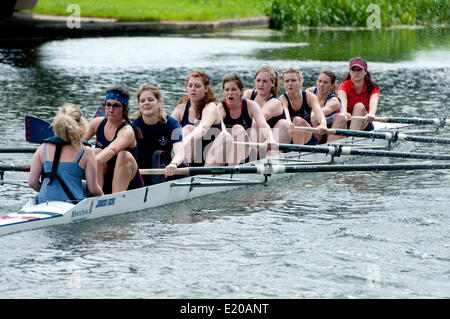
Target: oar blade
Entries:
(99, 113)
(36, 129)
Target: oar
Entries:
(408, 120)
(281, 169)
(394, 136)
(15, 167)
(36, 129)
(337, 150)
(15, 183)
(24, 149)
(100, 112)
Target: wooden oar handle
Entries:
(377, 119)
(160, 171)
(313, 129)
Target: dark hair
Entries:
(125, 94)
(233, 77)
(332, 77)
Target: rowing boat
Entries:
(51, 213)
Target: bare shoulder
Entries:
(310, 89)
(181, 105)
(211, 107)
(178, 111)
(89, 151)
(311, 96)
(247, 94)
(282, 99)
(275, 101)
(252, 104)
(95, 123)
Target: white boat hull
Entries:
(51, 213)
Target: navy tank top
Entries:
(273, 120)
(102, 142)
(304, 111)
(185, 120)
(244, 119)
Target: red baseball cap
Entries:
(359, 63)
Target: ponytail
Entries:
(69, 125)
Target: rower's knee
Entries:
(225, 138)
(282, 130)
(359, 109)
(298, 121)
(125, 159)
(237, 131)
(340, 121)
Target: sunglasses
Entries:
(115, 105)
(355, 68)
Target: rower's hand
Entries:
(370, 117)
(322, 129)
(347, 115)
(292, 126)
(271, 145)
(170, 170)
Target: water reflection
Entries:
(21, 54)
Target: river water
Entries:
(328, 235)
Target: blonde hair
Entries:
(70, 125)
(296, 71)
(158, 95)
(273, 75)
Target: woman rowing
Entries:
(264, 94)
(240, 116)
(64, 161)
(159, 136)
(205, 141)
(300, 105)
(115, 145)
(325, 90)
(359, 96)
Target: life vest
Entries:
(59, 143)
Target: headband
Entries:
(116, 96)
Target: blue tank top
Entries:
(304, 111)
(330, 117)
(72, 175)
(273, 120)
(244, 119)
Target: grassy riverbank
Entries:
(158, 10)
(283, 13)
(361, 13)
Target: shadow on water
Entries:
(21, 54)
